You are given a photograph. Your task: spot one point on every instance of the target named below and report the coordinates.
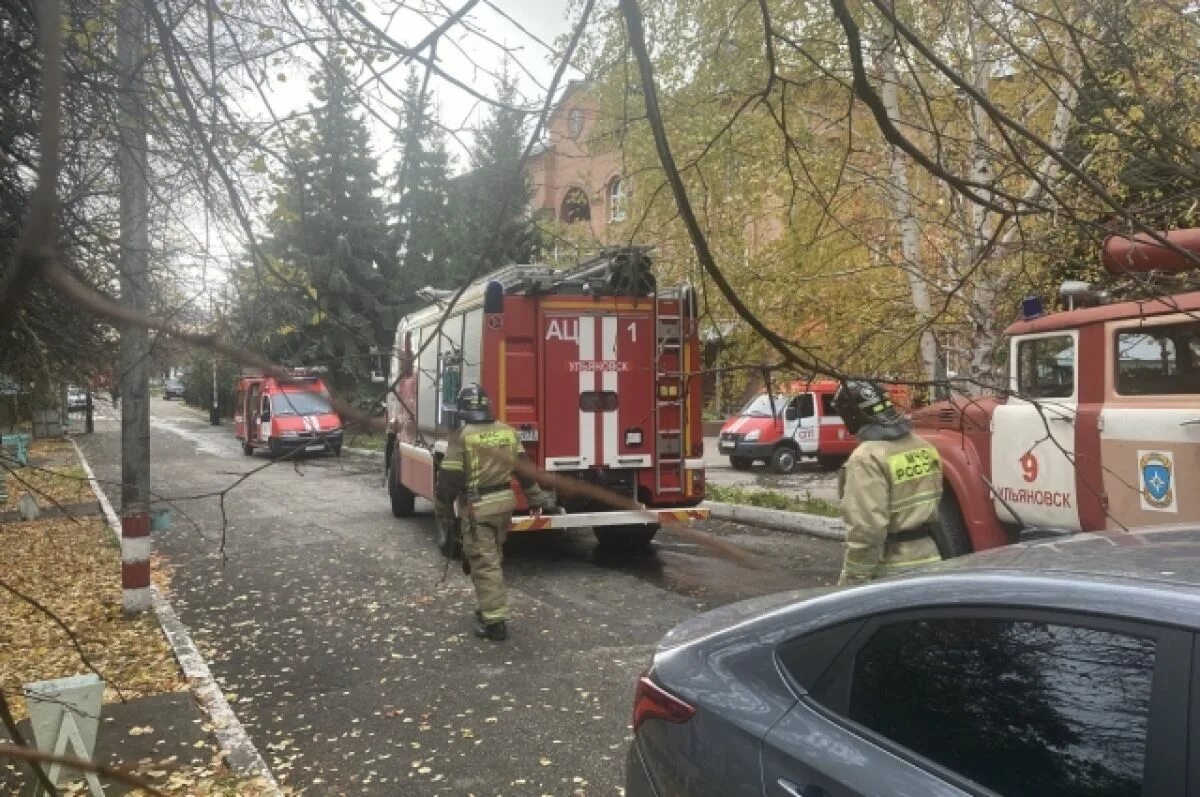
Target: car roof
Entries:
(1167, 554)
(1149, 574)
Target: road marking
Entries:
(240, 753)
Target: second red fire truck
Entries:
(595, 367)
(1100, 429)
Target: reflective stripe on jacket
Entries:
(888, 487)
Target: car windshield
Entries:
(300, 403)
(760, 406)
(174, 383)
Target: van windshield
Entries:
(760, 406)
(300, 403)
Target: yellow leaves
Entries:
(74, 569)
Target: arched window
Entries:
(575, 122)
(575, 206)
(617, 207)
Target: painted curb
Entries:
(816, 525)
(240, 753)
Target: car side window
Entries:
(827, 406)
(1019, 707)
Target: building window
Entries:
(575, 207)
(616, 200)
(575, 122)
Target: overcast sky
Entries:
(472, 54)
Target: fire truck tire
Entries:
(447, 537)
(403, 499)
(783, 459)
(741, 463)
(247, 449)
(830, 461)
(632, 537)
(951, 535)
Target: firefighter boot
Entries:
(496, 632)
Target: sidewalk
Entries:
(69, 561)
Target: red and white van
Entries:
(283, 414)
(797, 421)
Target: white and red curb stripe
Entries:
(241, 755)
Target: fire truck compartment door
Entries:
(1033, 434)
(598, 389)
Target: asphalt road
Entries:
(350, 661)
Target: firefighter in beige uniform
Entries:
(476, 477)
(890, 487)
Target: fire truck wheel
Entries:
(830, 461)
(447, 537)
(951, 535)
(247, 449)
(403, 499)
(631, 537)
(741, 463)
(783, 459)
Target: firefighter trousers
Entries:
(483, 544)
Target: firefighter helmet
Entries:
(862, 403)
(473, 405)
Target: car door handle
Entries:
(1190, 422)
(792, 790)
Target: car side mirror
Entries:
(265, 415)
(791, 413)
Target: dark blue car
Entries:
(1059, 668)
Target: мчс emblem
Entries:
(1157, 471)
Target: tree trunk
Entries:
(902, 206)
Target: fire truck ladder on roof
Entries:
(670, 388)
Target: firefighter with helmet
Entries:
(890, 487)
(475, 478)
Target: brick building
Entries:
(574, 180)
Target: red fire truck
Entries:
(595, 367)
(283, 414)
(1101, 429)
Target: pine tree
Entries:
(420, 234)
(495, 194)
(328, 238)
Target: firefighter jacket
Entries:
(890, 491)
(478, 467)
